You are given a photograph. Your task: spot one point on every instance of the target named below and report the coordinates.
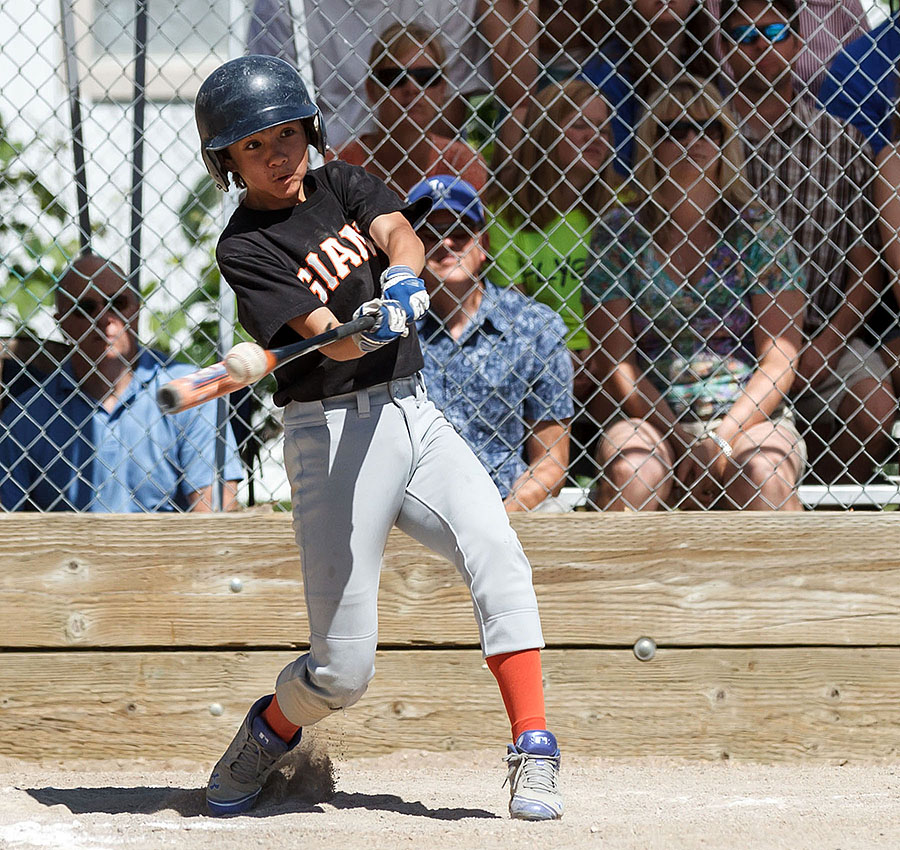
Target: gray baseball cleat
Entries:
(240, 774)
(533, 777)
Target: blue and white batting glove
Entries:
(399, 283)
(390, 324)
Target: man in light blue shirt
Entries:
(92, 437)
(496, 361)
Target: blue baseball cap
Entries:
(450, 193)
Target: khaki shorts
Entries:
(858, 362)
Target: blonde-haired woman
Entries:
(699, 322)
(545, 203)
(408, 89)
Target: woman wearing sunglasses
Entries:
(407, 88)
(700, 305)
(653, 42)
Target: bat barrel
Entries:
(214, 381)
(168, 399)
(189, 391)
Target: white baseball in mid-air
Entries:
(246, 362)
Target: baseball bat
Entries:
(214, 381)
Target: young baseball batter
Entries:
(364, 448)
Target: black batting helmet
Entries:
(250, 94)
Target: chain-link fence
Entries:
(716, 253)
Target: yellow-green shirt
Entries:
(548, 264)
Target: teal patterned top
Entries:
(694, 343)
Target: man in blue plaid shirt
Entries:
(496, 361)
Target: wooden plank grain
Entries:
(601, 579)
(779, 704)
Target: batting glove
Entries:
(390, 323)
(399, 283)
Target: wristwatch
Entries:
(721, 442)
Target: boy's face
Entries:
(758, 49)
(272, 163)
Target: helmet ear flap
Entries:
(214, 167)
(315, 132)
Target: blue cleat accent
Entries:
(240, 774)
(533, 777)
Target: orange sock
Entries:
(519, 676)
(277, 722)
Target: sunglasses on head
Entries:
(682, 129)
(750, 34)
(392, 77)
(91, 306)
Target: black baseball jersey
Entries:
(286, 263)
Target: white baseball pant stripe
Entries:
(359, 464)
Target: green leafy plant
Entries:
(32, 262)
(170, 327)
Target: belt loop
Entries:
(362, 403)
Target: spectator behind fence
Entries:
(887, 200)
(823, 27)
(92, 437)
(701, 301)
(545, 202)
(817, 175)
(489, 50)
(407, 87)
(652, 44)
(861, 83)
(495, 360)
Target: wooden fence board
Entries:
(758, 704)
(602, 580)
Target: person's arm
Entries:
(547, 454)
(196, 443)
(394, 235)
(614, 365)
(864, 276)
(510, 28)
(777, 335)
(200, 501)
(887, 199)
(824, 349)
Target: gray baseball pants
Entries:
(359, 464)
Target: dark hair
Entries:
(788, 8)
